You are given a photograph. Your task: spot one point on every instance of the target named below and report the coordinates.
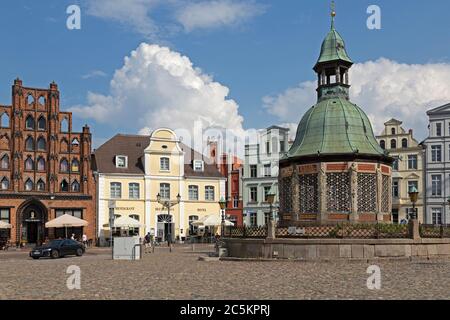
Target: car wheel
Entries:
(35, 258)
(79, 252)
(55, 254)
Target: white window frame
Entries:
(435, 151)
(125, 158)
(164, 164)
(193, 189)
(199, 165)
(437, 187)
(115, 190)
(134, 193)
(208, 190)
(162, 192)
(436, 216)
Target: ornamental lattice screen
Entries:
(309, 193)
(386, 193)
(338, 192)
(367, 193)
(286, 194)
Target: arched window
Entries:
(41, 100)
(64, 166)
(40, 185)
(4, 162)
(29, 164)
(41, 164)
(41, 144)
(64, 125)
(75, 165)
(64, 186)
(393, 130)
(30, 99)
(405, 143)
(4, 120)
(42, 123)
(75, 186)
(5, 183)
(135, 217)
(29, 185)
(29, 144)
(75, 142)
(29, 122)
(393, 144)
(64, 146)
(383, 144)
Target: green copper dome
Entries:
(333, 48)
(335, 126)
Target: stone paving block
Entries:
(306, 252)
(369, 251)
(289, 252)
(432, 250)
(443, 249)
(328, 251)
(345, 251)
(358, 251)
(385, 251)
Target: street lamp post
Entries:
(444, 221)
(270, 198)
(413, 196)
(168, 204)
(223, 205)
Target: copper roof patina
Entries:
(334, 126)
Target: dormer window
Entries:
(121, 162)
(198, 165)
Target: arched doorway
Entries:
(166, 227)
(31, 219)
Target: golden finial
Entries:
(333, 13)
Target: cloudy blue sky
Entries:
(241, 64)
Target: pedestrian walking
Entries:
(84, 239)
(147, 242)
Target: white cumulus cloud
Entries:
(217, 13)
(145, 16)
(383, 88)
(158, 87)
(134, 13)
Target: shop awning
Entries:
(66, 221)
(212, 221)
(4, 225)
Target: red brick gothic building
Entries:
(45, 167)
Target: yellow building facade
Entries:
(407, 171)
(133, 170)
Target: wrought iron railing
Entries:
(246, 232)
(341, 231)
(434, 231)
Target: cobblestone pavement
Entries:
(180, 275)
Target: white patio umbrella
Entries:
(66, 221)
(124, 222)
(4, 225)
(211, 221)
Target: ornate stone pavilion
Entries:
(335, 171)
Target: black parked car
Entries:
(58, 249)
